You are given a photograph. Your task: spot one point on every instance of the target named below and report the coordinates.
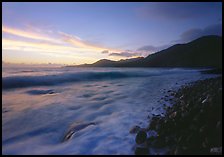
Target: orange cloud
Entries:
(62, 37)
(76, 41)
(8, 44)
(60, 44)
(26, 34)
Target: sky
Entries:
(74, 33)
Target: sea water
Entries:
(40, 104)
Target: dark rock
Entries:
(74, 128)
(141, 151)
(141, 137)
(193, 125)
(150, 140)
(159, 143)
(135, 129)
(216, 150)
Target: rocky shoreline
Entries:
(191, 125)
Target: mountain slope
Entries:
(202, 52)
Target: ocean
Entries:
(40, 105)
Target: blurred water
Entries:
(37, 116)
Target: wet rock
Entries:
(141, 151)
(192, 125)
(74, 129)
(182, 97)
(205, 100)
(150, 140)
(141, 137)
(218, 124)
(216, 150)
(173, 115)
(159, 142)
(135, 129)
(172, 94)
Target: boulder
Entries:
(135, 129)
(141, 137)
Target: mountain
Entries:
(202, 52)
(109, 63)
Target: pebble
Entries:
(216, 150)
(141, 137)
(187, 126)
(141, 151)
(135, 129)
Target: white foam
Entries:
(36, 124)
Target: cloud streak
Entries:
(195, 33)
(26, 34)
(57, 44)
(60, 39)
(125, 54)
(152, 49)
(76, 41)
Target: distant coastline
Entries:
(202, 52)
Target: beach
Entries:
(192, 125)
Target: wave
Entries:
(49, 80)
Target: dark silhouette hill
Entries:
(202, 52)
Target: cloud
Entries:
(105, 51)
(195, 33)
(151, 48)
(76, 41)
(125, 54)
(27, 34)
(8, 44)
(60, 38)
(178, 10)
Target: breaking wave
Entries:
(49, 80)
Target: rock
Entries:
(159, 142)
(141, 137)
(177, 151)
(218, 124)
(135, 129)
(173, 115)
(205, 100)
(74, 129)
(202, 129)
(216, 150)
(141, 151)
(150, 140)
(172, 94)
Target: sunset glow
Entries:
(55, 33)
